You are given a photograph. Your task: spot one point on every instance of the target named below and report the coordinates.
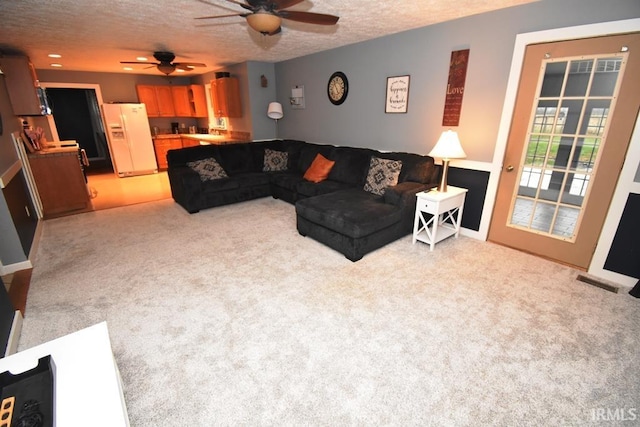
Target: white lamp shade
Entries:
(275, 111)
(448, 147)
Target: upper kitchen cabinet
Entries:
(157, 99)
(26, 95)
(225, 93)
(198, 101)
(181, 103)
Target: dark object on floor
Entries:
(635, 292)
(597, 283)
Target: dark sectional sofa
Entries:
(336, 211)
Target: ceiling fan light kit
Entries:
(263, 22)
(165, 63)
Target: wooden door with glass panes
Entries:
(574, 115)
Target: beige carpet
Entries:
(229, 317)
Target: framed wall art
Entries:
(397, 94)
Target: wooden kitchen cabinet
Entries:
(60, 181)
(157, 99)
(198, 101)
(26, 95)
(162, 146)
(181, 101)
(189, 142)
(225, 94)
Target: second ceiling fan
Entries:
(265, 16)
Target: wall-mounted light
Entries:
(297, 97)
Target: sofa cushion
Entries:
(382, 173)
(237, 158)
(222, 184)
(415, 167)
(351, 165)
(310, 189)
(208, 169)
(286, 180)
(275, 160)
(319, 169)
(354, 213)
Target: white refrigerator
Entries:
(130, 139)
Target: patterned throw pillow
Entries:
(275, 160)
(208, 169)
(383, 173)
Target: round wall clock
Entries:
(338, 88)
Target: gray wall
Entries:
(424, 55)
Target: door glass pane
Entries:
(578, 79)
(553, 79)
(605, 77)
(595, 117)
(543, 216)
(544, 117)
(568, 124)
(572, 113)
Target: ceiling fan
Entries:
(165, 64)
(265, 16)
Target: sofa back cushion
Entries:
(308, 153)
(180, 157)
(415, 168)
(351, 165)
(238, 158)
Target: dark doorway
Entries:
(77, 116)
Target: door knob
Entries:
(509, 168)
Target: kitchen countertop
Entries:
(56, 150)
(199, 136)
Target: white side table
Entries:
(435, 218)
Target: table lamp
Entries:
(448, 147)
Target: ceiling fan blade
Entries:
(138, 62)
(244, 15)
(308, 17)
(189, 64)
(283, 4)
(243, 5)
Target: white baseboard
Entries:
(14, 335)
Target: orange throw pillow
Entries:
(319, 169)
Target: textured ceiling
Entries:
(94, 35)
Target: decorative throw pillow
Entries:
(275, 160)
(208, 169)
(383, 173)
(319, 169)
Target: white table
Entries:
(435, 217)
(88, 390)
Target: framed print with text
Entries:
(397, 94)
